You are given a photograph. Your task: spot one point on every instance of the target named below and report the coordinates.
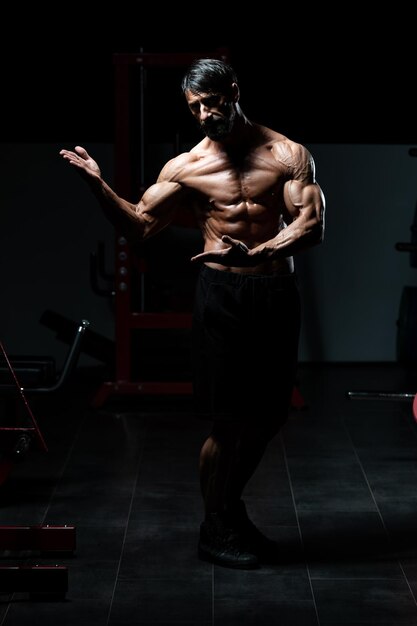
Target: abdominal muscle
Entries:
(252, 230)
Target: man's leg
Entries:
(220, 542)
(229, 458)
(251, 447)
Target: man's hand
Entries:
(81, 159)
(236, 255)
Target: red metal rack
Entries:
(130, 269)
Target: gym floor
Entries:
(336, 489)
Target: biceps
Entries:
(160, 200)
(304, 199)
(158, 206)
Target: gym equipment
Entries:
(94, 344)
(16, 439)
(44, 580)
(133, 75)
(98, 270)
(39, 580)
(407, 326)
(40, 538)
(14, 364)
(43, 541)
(23, 431)
(396, 396)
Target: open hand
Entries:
(82, 160)
(236, 255)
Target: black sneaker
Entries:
(265, 549)
(220, 544)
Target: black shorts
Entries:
(245, 345)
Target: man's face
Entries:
(214, 113)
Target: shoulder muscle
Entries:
(296, 159)
(175, 170)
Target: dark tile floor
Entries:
(337, 489)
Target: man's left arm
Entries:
(305, 205)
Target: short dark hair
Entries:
(208, 76)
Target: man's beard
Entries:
(218, 129)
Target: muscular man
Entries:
(254, 195)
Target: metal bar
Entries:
(123, 182)
(381, 395)
(43, 538)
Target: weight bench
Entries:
(38, 580)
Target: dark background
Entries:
(320, 77)
(339, 81)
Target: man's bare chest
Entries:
(227, 183)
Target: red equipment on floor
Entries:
(15, 441)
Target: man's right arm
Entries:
(155, 210)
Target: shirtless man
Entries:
(255, 198)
